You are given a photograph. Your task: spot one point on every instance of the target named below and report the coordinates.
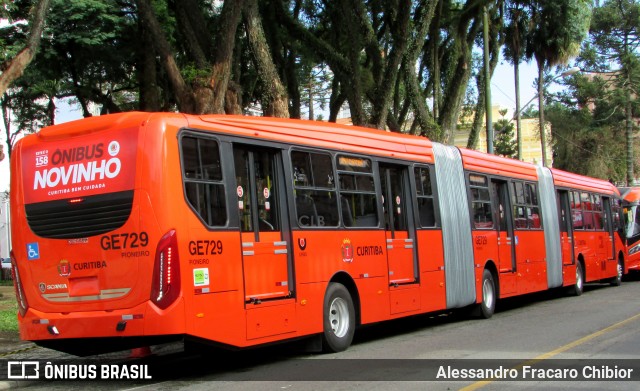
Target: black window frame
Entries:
(420, 196)
(313, 187)
(488, 202)
(208, 222)
(529, 201)
(358, 174)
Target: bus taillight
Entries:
(17, 285)
(166, 271)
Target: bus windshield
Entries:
(632, 221)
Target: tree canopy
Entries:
(403, 65)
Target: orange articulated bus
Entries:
(631, 211)
(137, 228)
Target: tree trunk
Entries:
(311, 113)
(457, 85)
(222, 64)
(183, 94)
(629, 133)
(487, 79)
(435, 33)
(149, 89)
(353, 76)
(336, 100)
(384, 94)
(543, 136)
(185, 11)
(6, 112)
(476, 126)
(17, 65)
(516, 71)
(275, 102)
(425, 122)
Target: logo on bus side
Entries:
(347, 251)
(51, 287)
(64, 269)
(302, 243)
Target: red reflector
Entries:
(165, 288)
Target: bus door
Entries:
(400, 236)
(506, 234)
(566, 228)
(265, 251)
(608, 227)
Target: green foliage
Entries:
(560, 28)
(505, 144)
(192, 74)
(612, 52)
(584, 145)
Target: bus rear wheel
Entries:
(488, 305)
(578, 287)
(338, 318)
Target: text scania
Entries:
(77, 173)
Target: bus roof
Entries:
(632, 195)
(570, 180)
(95, 124)
(498, 165)
(321, 134)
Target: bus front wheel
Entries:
(338, 318)
(617, 280)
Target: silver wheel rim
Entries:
(578, 278)
(487, 293)
(619, 271)
(339, 317)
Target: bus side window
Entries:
(480, 202)
(576, 211)
(424, 190)
(598, 219)
(202, 177)
(315, 190)
(587, 210)
(357, 192)
(347, 215)
(306, 210)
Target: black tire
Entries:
(578, 287)
(489, 296)
(339, 320)
(617, 280)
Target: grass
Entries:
(8, 309)
(8, 318)
(6, 282)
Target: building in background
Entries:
(531, 146)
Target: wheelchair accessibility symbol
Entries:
(32, 251)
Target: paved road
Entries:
(602, 324)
